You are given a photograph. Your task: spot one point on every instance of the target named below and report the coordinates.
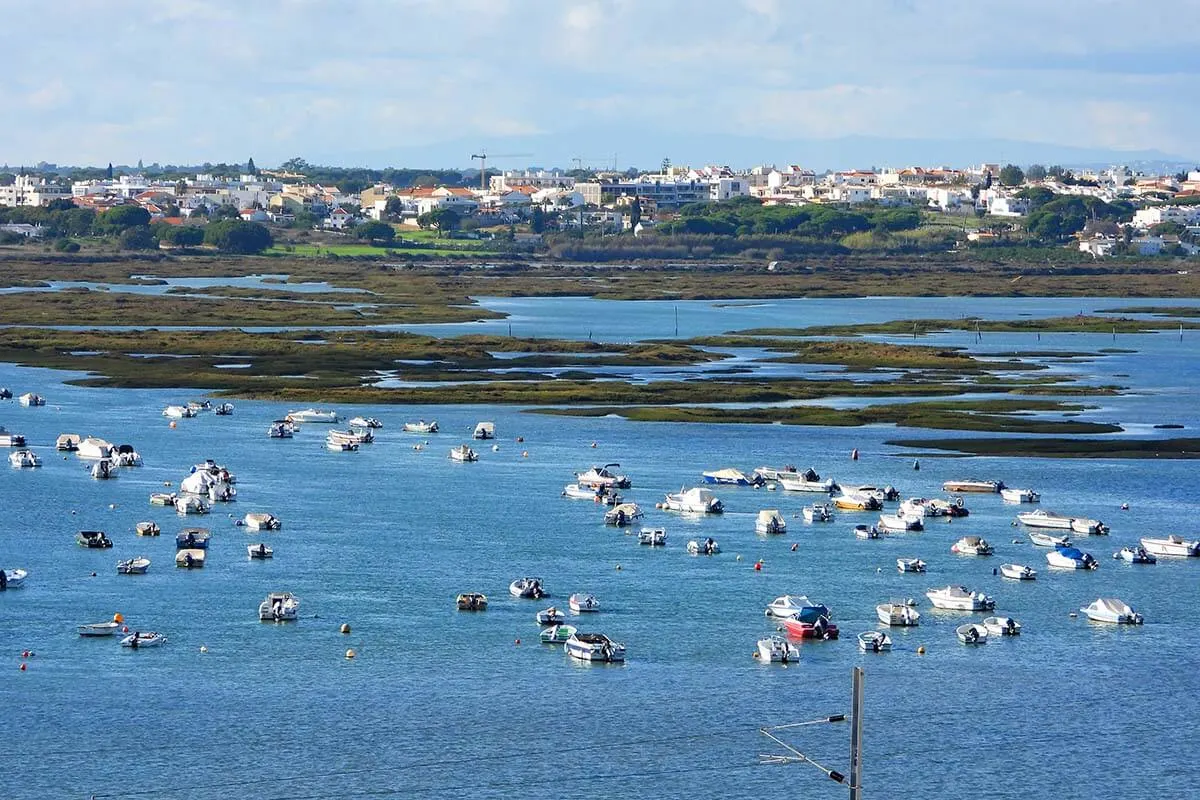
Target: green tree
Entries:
(225, 211)
(537, 220)
(445, 219)
(635, 213)
(1011, 175)
(120, 217)
(238, 236)
(1035, 172)
(108, 173)
(250, 168)
(139, 237)
(66, 246)
(61, 204)
(376, 232)
(180, 235)
(393, 208)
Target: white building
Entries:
(540, 179)
(728, 188)
(1148, 217)
(27, 190)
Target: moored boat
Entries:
(67, 442)
(191, 504)
(133, 566)
(594, 647)
(910, 565)
(623, 514)
(374, 424)
(1089, 527)
(163, 498)
(708, 547)
(557, 633)
(550, 616)
(471, 601)
(731, 477)
(484, 430)
(527, 588)
(694, 501)
(224, 410)
(192, 558)
(955, 507)
(281, 429)
(807, 481)
(652, 537)
(960, 598)
(820, 628)
(31, 400)
(421, 426)
(1017, 572)
(93, 540)
(279, 607)
(898, 614)
(189, 538)
(972, 546)
(1135, 555)
(1041, 518)
(178, 412)
(261, 521)
(603, 477)
(1020, 496)
(10, 439)
(868, 532)
(463, 454)
(1002, 626)
(583, 603)
(1112, 610)
(312, 415)
(260, 551)
(857, 502)
(1173, 545)
(97, 629)
(148, 528)
(126, 456)
(972, 633)
(874, 642)
(139, 639)
(971, 485)
(24, 459)
(777, 650)
(900, 523)
(1070, 558)
(1046, 540)
(104, 469)
(12, 578)
(796, 606)
(770, 521)
(94, 447)
(817, 512)
(359, 436)
(339, 446)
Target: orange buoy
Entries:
(118, 617)
(758, 565)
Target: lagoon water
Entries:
(446, 704)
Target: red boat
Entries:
(822, 628)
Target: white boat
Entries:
(1046, 540)
(583, 603)
(579, 491)
(1019, 496)
(12, 578)
(339, 446)
(94, 447)
(972, 633)
(557, 634)
(138, 640)
(623, 514)
(817, 512)
(261, 521)
(527, 588)
(67, 442)
(373, 424)
(1135, 555)
(899, 522)
(104, 469)
(190, 559)
(1017, 572)
(603, 477)
(1173, 545)
(471, 601)
(731, 477)
(191, 504)
(163, 498)
(652, 537)
(954, 507)
(868, 532)
(1070, 558)
(708, 547)
(5, 393)
(874, 642)
(279, 607)
(484, 430)
(777, 650)
(193, 538)
(1002, 626)
(133, 566)
(10, 439)
(420, 426)
(550, 616)
(769, 520)
(178, 412)
(970, 485)
(94, 629)
(694, 501)
(1110, 609)
(260, 551)
(147, 528)
(196, 406)
(884, 495)
(910, 565)
(463, 454)
(224, 410)
(361, 436)
(594, 647)
(898, 614)
(1090, 527)
(312, 415)
(24, 458)
(851, 501)
(919, 507)
(126, 456)
(1041, 518)
(281, 429)
(774, 473)
(29, 399)
(796, 606)
(960, 598)
(93, 540)
(972, 546)
(806, 481)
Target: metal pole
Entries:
(856, 732)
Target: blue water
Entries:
(445, 704)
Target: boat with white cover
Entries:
(97, 629)
(12, 578)
(774, 473)
(360, 436)
(708, 547)
(652, 537)
(597, 494)
(10, 439)
(527, 588)
(191, 504)
(1017, 572)
(67, 442)
(1020, 496)
(24, 459)
(910, 565)
(484, 430)
(340, 446)
(901, 615)
(796, 606)
(874, 642)
(94, 447)
(1135, 555)
(623, 514)
(1112, 610)
(190, 559)
(126, 456)
(133, 566)
(594, 647)
(694, 501)
(550, 616)
(147, 528)
(1002, 626)
(463, 454)
(260, 551)
(557, 634)
(138, 639)
(262, 521)
(104, 469)
(777, 650)
(884, 495)
(857, 502)
(971, 485)
(900, 523)
(374, 424)
(817, 512)
(603, 477)
(1090, 527)
(769, 520)
(189, 538)
(1173, 546)
(313, 415)
(582, 603)
(868, 532)
(918, 507)
(1046, 540)
(281, 429)
(972, 633)
(178, 412)
(1070, 558)
(279, 607)
(972, 546)
(731, 477)
(420, 426)
(960, 598)
(163, 498)
(31, 400)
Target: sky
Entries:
(739, 82)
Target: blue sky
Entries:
(730, 81)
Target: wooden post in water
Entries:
(856, 734)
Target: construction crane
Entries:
(483, 157)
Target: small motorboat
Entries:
(584, 603)
(960, 598)
(1017, 572)
(373, 424)
(1135, 555)
(5, 393)
(259, 551)
(339, 446)
(594, 647)
(484, 430)
(10, 439)
(1041, 518)
(693, 501)
(921, 507)
(1002, 626)
(652, 537)
(731, 477)
(67, 442)
(138, 640)
(848, 501)
(1089, 527)
(817, 512)
(352, 436)
(421, 426)
(279, 607)
(527, 588)
(1020, 496)
(178, 412)
(281, 429)
(104, 469)
(133, 566)
(868, 532)
(603, 477)
(550, 616)
(261, 521)
(910, 565)
(1071, 558)
(777, 650)
(191, 504)
(900, 523)
(972, 633)
(708, 547)
(12, 578)
(193, 539)
(31, 400)
(899, 614)
(1112, 610)
(774, 473)
(312, 415)
(471, 601)
(1046, 540)
(192, 558)
(463, 454)
(96, 629)
(623, 514)
(820, 628)
(126, 456)
(796, 606)
(163, 498)
(583, 491)
(93, 540)
(983, 487)
(972, 546)
(1173, 546)
(94, 447)
(953, 508)
(24, 458)
(224, 410)
(770, 521)
(874, 642)
(196, 406)
(807, 481)
(557, 634)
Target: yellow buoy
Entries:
(921, 650)
(118, 617)
(345, 627)
(350, 653)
